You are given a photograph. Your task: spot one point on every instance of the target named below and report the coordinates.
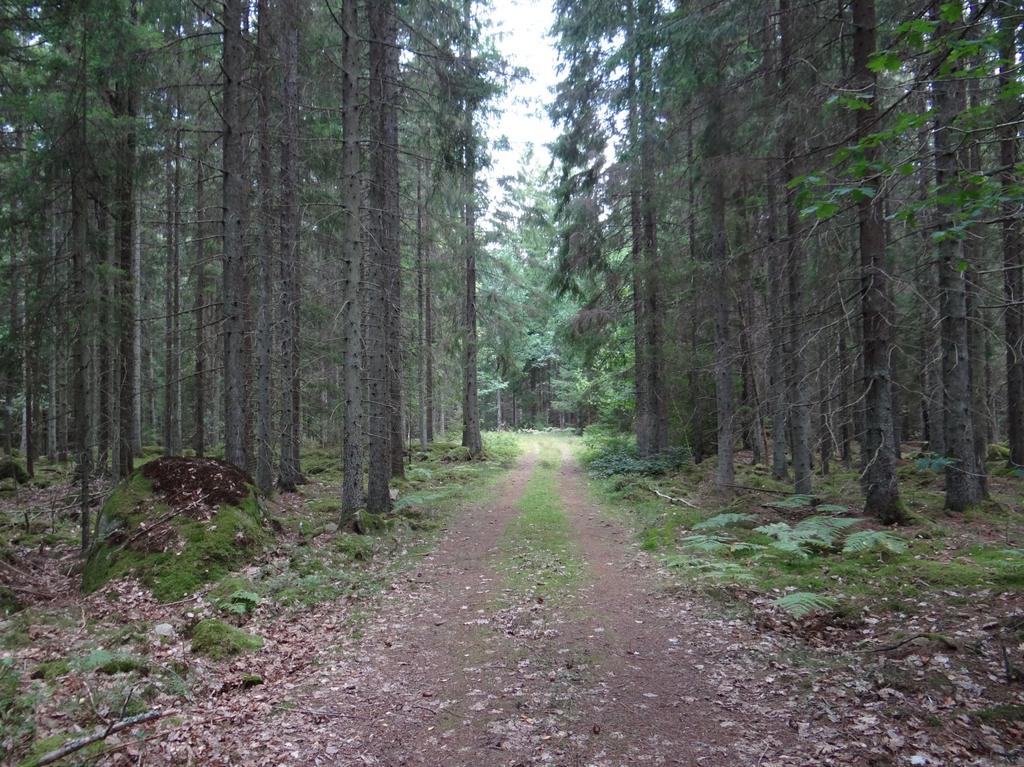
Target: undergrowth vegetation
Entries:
(815, 554)
(609, 453)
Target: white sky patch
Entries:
(521, 28)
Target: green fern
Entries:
(724, 520)
(794, 502)
(935, 463)
(709, 544)
(801, 603)
(714, 569)
(810, 535)
(871, 540)
(832, 508)
(832, 523)
(775, 529)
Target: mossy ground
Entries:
(958, 555)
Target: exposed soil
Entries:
(456, 668)
(195, 482)
(678, 686)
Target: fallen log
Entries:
(940, 638)
(100, 734)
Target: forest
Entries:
(347, 419)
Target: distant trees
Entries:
(858, 164)
(204, 209)
(791, 234)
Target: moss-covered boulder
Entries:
(457, 454)
(11, 469)
(9, 602)
(218, 640)
(176, 524)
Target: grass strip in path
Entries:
(540, 558)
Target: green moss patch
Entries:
(218, 640)
(329, 506)
(105, 662)
(456, 454)
(1004, 713)
(159, 525)
(51, 669)
(772, 545)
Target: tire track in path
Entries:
(461, 665)
(662, 682)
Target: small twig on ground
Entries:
(32, 592)
(1013, 674)
(671, 499)
(101, 734)
(315, 712)
(192, 598)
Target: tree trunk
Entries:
(125, 291)
(653, 313)
(963, 487)
(378, 498)
(776, 342)
(881, 493)
(470, 405)
(643, 418)
(825, 380)
(265, 247)
(798, 389)
(199, 312)
(290, 471)
(29, 336)
(428, 348)
(421, 341)
(104, 340)
(136, 321)
(651, 404)
(80, 287)
(724, 391)
(352, 499)
(233, 272)
(1012, 242)
(393, 273)
(172, 414)
(846, 427)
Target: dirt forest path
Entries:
(474, 659)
